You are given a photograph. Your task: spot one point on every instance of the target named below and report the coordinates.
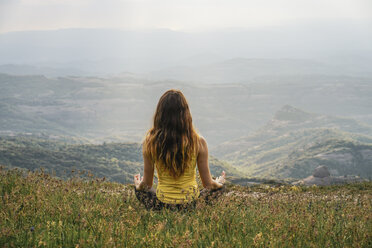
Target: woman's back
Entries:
(177, 190)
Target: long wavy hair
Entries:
(172, 140)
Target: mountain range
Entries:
(341, 47)
(120, 108)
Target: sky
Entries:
(180, 15)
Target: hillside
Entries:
(117, 162)
(295, 142)
(41, 211)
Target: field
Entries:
(37, 210)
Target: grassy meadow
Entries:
(37, 210)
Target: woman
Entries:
(173, 147)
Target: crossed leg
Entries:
(150, 201)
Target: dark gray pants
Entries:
(150, 201)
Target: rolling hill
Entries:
(295, 142)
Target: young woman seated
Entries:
(174, 149)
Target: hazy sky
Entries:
(16, 15)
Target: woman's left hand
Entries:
(221, 179)
(137, 180)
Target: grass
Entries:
(37, 210)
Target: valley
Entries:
(253, 127)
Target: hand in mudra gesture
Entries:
(221, 179)
(137, 180)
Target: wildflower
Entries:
(257, 238)
(295, 188)
(42, 243)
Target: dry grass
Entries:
(37, 210)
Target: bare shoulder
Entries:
(144, 144)
(203, 146)
(202, 140)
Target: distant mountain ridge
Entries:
(202, 70)
(295, 142)
(245, 70)
(22, 70)
(142, 51)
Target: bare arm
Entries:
(203, 168)
(148, 174)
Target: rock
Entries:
(321, 181)
(321, 172)
(322, 177)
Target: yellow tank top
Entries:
(181, 190)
